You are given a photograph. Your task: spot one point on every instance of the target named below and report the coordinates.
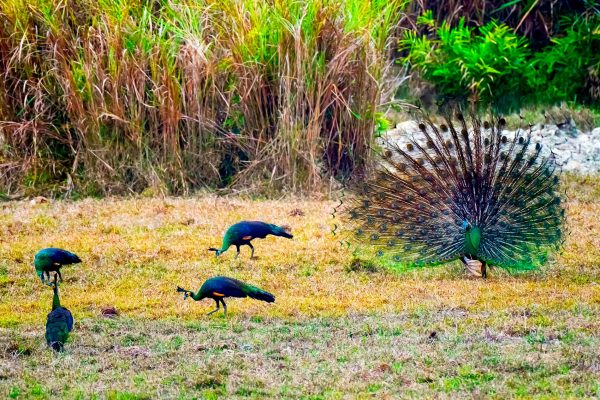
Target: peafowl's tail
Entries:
(282, 231)
(258, 294)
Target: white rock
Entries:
(574, 150)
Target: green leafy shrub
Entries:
(494, 65)
(562, 70)
(462, 62)
(538, 21)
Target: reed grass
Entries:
(105, 97)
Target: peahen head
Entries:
(217, 251)
(187, 293)
(57, 346)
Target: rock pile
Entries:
(575, 151)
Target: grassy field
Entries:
(339, 328)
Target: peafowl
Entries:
(244, 232)
(52, 259)
(469, 191)
(219, 287)
(59, 322)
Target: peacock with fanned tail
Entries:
(465, 190)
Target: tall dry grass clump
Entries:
(116, 96)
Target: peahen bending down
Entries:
(220, 287)
(52, 259)
(466, 191)
(244, 232)
(59, 322)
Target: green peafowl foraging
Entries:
(52, 259)
(59, 322)
(219, 287)
(466, 191)
(244, 232)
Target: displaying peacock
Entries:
(244, 232)
(466, 190)
(59, 322)
(220, 287)
(51, 260)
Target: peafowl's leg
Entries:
(474, 266)
(224, 307)
(48, 282)
(483, 270)
(252, 247)
(216, 309)
(238, 251)
(59, 275)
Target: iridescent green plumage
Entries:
(472, 240)
(460, 191)
(220, 287)
(52, 259)
(59, 322)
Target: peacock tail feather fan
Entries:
(465, 187)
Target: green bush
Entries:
(461, 62)
(562, 70)
(494, 65)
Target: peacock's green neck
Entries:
(197, 296)
(224, 247)
(55, 299)
(472, 240)
(227, 240)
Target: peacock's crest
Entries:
(462, 178)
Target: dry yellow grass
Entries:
(136, 251)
